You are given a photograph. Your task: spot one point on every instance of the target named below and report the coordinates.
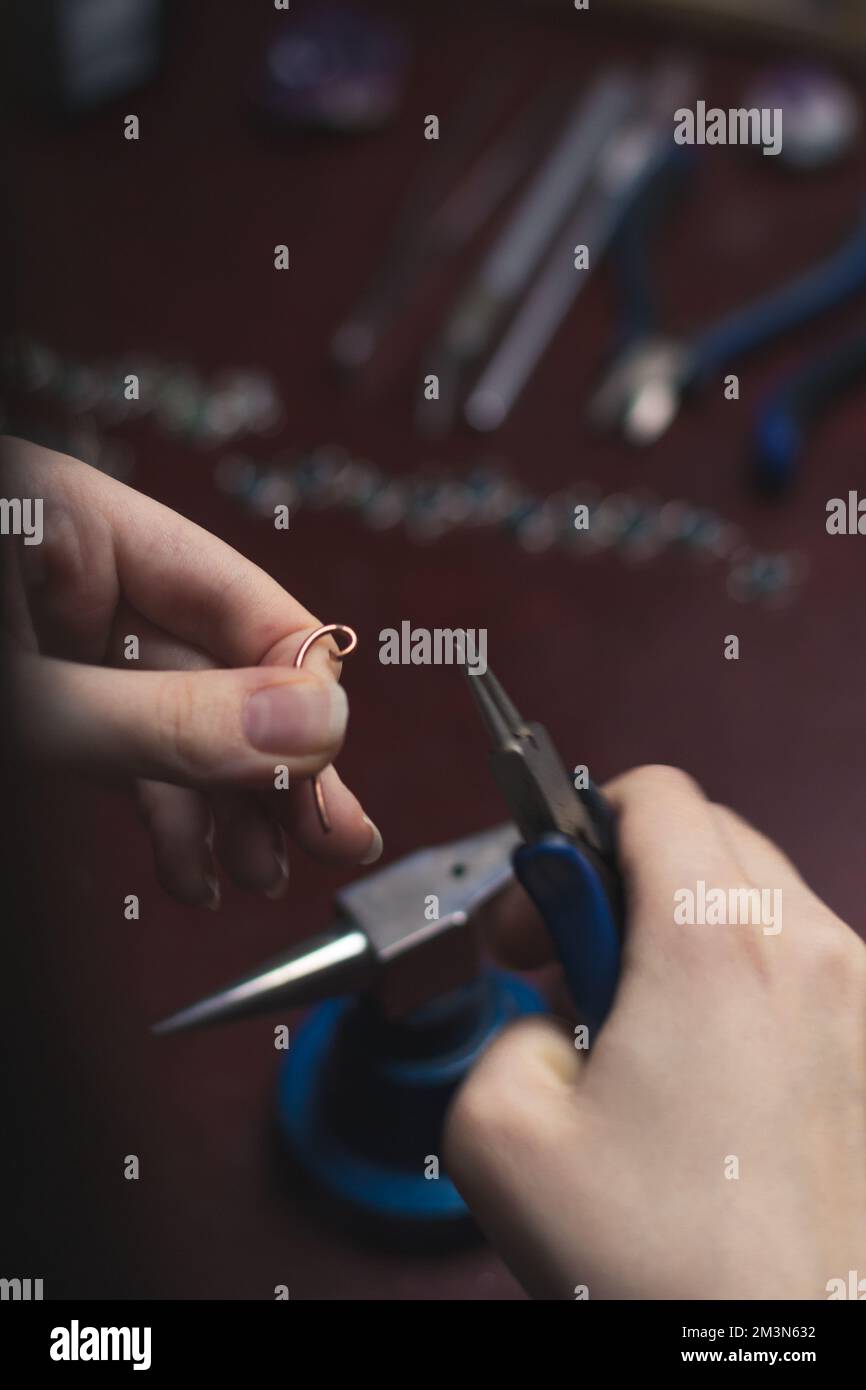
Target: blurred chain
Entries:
(636, 525)
(238, 402)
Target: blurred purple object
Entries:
(337, 69)
(821, 115)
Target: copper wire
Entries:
(344, 631)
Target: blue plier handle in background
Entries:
(814, 292)
(785, 416)
(567, 862)
(642, 388)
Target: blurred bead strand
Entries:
(173, 395)
(431, 504)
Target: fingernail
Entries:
(212, 901)
(296, 718)
(376, 846)
(280, 882)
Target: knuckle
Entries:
(833, 956)
(178, 724)
(475, 1111)
(661, 778)
(478, 1122)
(505, 1101)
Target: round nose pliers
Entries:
(567, 862)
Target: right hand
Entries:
(728, 1050)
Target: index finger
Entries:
(178, 575)
(664, 826)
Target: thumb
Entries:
(197, 728)
(512, 1140)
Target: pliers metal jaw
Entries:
(538, 791)
(642, 391)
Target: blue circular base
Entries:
(414, 1092)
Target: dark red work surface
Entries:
(166, 246)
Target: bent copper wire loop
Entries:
(338, 655)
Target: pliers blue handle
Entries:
(638, 314)
(580, 917)
(786, 414)
(827, 284)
